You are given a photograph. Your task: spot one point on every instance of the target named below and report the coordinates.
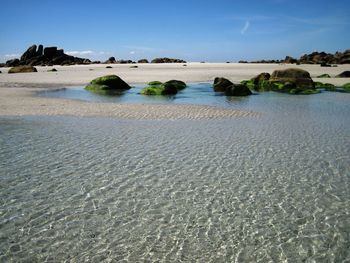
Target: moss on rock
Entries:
(108, 82)
(170, 87)
(346, 87)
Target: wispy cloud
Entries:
(245, 28)
(132, 52)
(79, 53)
(248, 17)
(12, 55)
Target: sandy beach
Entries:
(17, 91)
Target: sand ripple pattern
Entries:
(268, 189)
(22, 101)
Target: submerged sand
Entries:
(17, 91)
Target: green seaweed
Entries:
(346, 87)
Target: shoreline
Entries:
(22, 101)
(18, 98)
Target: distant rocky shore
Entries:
(48, 56)
(321, 58)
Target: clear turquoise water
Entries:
(269, 189)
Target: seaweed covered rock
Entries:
(170, 87)
(301, 78)
(22, 69)
(344, 74)
(325, 86)
(292, 80)
(259, 82)
(230, 89)
(107, 83)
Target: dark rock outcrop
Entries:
(229, 88)
(22, 69)
(168, 60)
(344, 74)
(12, 62)
(221, 84)
(122, 61)
(111, 60)
(322, 58)
(143, 61)
(30, 53)
(40, 56)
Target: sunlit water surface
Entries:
(274, 188)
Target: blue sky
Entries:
(215, 31)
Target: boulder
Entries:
(170, 87)
(52, 70)
(238, 90)
(230, 89)
(344, 74)
(259, 82)
(107, 83)
(299, 78)
(22, 69)
(177, 84)
(221, 84)
(324, 76)
(111, 60)
(290, 60)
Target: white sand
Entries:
(193, 72)
(17, 91)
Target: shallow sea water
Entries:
(274, 188)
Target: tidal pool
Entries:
(274, 188)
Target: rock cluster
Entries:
(292, 80)
(142, 61)
(40, 56)
(168, 60)
(322, 58)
